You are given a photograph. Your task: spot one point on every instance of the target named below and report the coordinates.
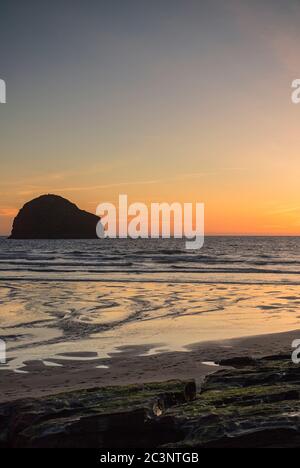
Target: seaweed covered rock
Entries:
(53, 217)
(95, 418)
(254, 405)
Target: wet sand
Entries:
(133, 365)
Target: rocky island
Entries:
(53, 217)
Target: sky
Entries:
(174, 100)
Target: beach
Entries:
(130, 366)
(93, 298)
(85, 322)
(241, 393)
(79, 313)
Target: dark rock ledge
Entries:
(254, 405)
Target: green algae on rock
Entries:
(254, 405)
(93, 417)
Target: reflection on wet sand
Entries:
(40, 321)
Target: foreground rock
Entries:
(107, 417)
(254, 405)
(53, 217)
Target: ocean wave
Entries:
(221, 256)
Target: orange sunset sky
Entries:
(167, 101)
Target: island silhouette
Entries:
(53, 217)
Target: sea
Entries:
(101, 296)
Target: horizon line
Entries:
(6, 236)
